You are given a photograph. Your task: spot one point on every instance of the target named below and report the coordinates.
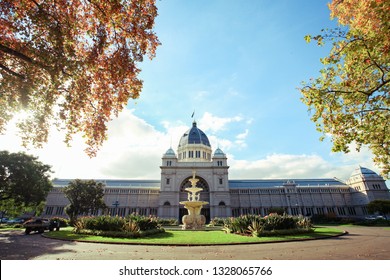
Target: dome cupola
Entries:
(194, 145)
(170, 153)
(194, 136)
(219, 153)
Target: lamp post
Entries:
(116, 204)
(288, 205)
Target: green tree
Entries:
(72, 63)
(85, 197)
(350, 100)
(379, 205)
(24, 181)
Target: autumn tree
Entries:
(350, 100)
(85, 197)
(24, 181)
(71, 63)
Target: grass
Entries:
(176, 237)
(10, 227)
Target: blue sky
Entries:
(238, 65)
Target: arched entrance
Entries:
(204, 196)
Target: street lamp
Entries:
(116, 204)
(288, 205)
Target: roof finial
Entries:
(193, 119)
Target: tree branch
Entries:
(17, 54)
(23, 57)
(13, 73)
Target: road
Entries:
(361, 243)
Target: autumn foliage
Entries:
(72, 63)
(350, 100)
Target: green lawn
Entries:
(181, 237)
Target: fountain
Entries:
(194, 220)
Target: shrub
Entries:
(258, 226)
(275, 221)
(239, 225)
(167, 222)
(104, 223)
(144, 223)
(217, 222)
(304, 223)
(133, 224)
(63, 222)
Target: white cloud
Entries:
(287, 166)
(243, 135)
(240, 139)
(212, 123)
(134, 149)
(290, 166)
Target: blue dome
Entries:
(170, 152)
(218, 152)
(194, 136)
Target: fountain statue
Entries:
(194, 220)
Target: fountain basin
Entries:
(193, 203)
(194, 220)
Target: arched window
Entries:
(166, 203)
(201, 184)
(222, 203)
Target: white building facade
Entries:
(227, 197)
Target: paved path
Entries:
(366, 243)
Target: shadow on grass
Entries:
(71, 236)
(161, 235)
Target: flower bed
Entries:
(273, 224)
(132, 226)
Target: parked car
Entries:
(374, 217)
(15, 221)
(4, 220)
(40, 225)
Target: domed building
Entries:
(227, 197)
(194, 154)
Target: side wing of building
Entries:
(122, 197)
